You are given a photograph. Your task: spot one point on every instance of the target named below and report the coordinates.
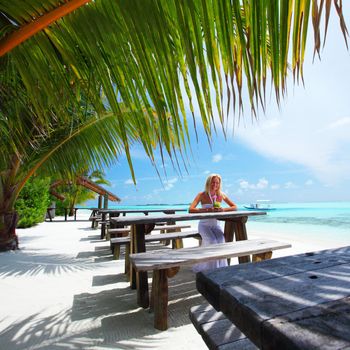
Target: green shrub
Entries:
(33, 202)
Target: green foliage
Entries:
(75, 194)
(33, 202)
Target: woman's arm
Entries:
(231, 206)
(192, 208)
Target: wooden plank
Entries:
(189, 256)
(143, 211)
(210, 283)
(158, 237)
(131, 220)
(278, 298)
(319, 327)
(156, 228)
(217, 331)
(170, 227)
(119, 230)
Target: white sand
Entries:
(62, 290)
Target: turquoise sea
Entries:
(318, 220)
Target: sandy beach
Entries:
(63, 290)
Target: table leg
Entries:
(229, 231)
(241, 235)
(103, 225)
(141, 277)
(49, 214)
(65, 214)
(75, 214)
(132, 274)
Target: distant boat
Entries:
(260, 204)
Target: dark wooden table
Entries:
(295, 302)
(140, 225)
(113, 213)
(66, 212)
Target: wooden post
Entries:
(103, 218)
(160, 299)
(99, 205)
(241, 235)
(132, 274)
(141, 277)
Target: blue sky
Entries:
(297, 152)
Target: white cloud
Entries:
(260, 185)
(129, 182)
(290, 185)
(217, 158)
(168, 185)
(275, 186)
(312, 126)
(340, 123)
(324, 151)
(309, 182)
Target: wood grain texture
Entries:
(188, 256)
(217, 331)
(158, 237)
(154, 218)
(296, 302)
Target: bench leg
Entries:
(177, 243)
(262, 256)
(241, 235)
(132, 273)
(127, 260)
(166, 242)
(160, 299)
(116, 252)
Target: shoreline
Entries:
(63, 290)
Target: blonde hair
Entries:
(208, 182)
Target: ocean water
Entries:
(318, 220)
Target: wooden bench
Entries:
(217, 331)
(165, 264)
(175, 237)
(125, 231)
(94, 220)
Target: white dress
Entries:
(211, 233)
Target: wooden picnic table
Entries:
(141, 225)
(66, 212)
(295, 302)
(113, 213)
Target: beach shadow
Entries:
(98, 253)
(35, 331)
(94, 238)
(104, 280)
(107, 302)
(30, 263)
(122, 319)
(28, 239)
(87, 229)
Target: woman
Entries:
(209, 229)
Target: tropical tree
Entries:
(84, 79)
(74, 193)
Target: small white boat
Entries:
(260, 204)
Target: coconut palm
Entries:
(83, 79)
(74, 193)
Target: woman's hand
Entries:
(218, 209)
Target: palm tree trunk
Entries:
(8, 237)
